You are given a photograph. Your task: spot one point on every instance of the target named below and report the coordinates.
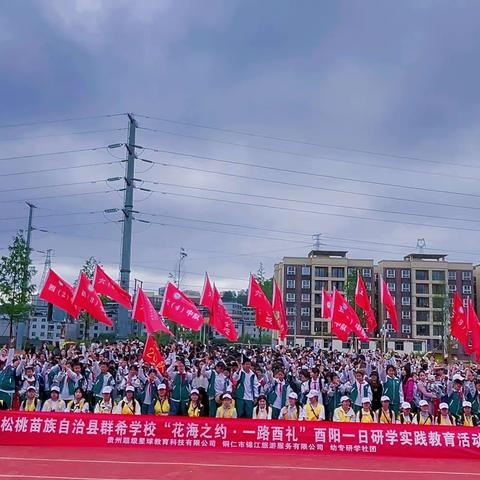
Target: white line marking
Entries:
(232, 465)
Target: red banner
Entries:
(88, 430)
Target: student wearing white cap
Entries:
(423, 417)
(128, 405)
(344, 413)
(444, 417)
(194, 407)
(31, 402)
(365, 414)
(467, 418)
(292, 410)
(226, 409)
(405, 417)
(54, 404)
(106, 404)
(162, 405)
(385, 414)
(314, 410)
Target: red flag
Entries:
(387, 300)
(338, 328)
(59, 293)
(327, 303)
(153, 356)
(475, 329)
(345, 315)
(279, 311)
(207, 294)
(104, 285)
(221, 320)
(144, 311)
(263, 309)
(363, 301)
(460, 323)
(178, 308)
(86, 298)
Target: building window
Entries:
(42, 327)
(452, 275)
(305, 283)
(406, 315)
(398, 346)
(305, 311)
(390, 273)
(421, 274)
(321, 285)
(438, 316)
(465, 302)
(452, 288)
(318, 327)
(405, 273)
(290, 297)
(423, 302)
(438, 289)
(406, 329)
(422, 289)
(339, 285)
(306, 297)
(438, 330)
(290, 270)
(290, 283)
(467, 289)
(417, 346)
(291, 324)
(406, 301)
(438, 275)
(423, 316)
(338, 272)
(318, 298)
(368, 285)
(351, 271)
(305, 270)
(391, 286)
(423, 330)
(317, 312)
(405, 287)
(321, 271)
(291, 311)
(438, 302)
(389, 327)
(367, 272)
(305, 325)
(466, 275)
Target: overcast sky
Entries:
(367, 78)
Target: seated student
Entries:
(128, 405)
(106, 404)
(162, 405)
(292, 410)
(313, 410)
(226, 409)
(467, 418)
(31, 402)
(365, 414)
(423, 417)
(194, 407)
(444, 417)
(406, 416)
(262, 410)
(385, 414)
(344, 413)
(54, 404)
(78, 404)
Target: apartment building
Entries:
(422, 286)
(302, 280)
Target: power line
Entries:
(59, 196)
(48, 154)
(309, 174)
(54, 215)
(56, 169)
(321, 213)
(307, 143)
(313, 157)
(60, 120)
(309, 202)
(57, 185)
(66, 134)
(303, 185)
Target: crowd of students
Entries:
(245, 382)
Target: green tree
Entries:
(16, 273)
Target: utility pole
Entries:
(21, 326)
(178, 275)
(124, 324)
